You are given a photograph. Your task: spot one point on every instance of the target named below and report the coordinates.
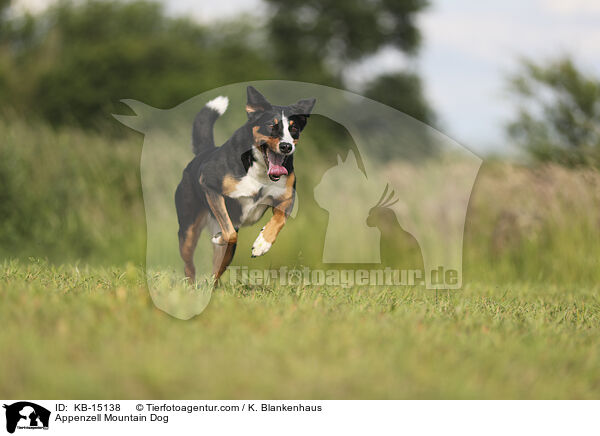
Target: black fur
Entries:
(202, 132)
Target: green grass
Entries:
(81, 332)
(90, 330)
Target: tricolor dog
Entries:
(231, 186)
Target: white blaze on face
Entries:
(287, 136)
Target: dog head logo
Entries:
(26, 415)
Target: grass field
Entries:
(80, 332)
(525, 324)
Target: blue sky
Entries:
(469, 48)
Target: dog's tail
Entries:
(202, 132)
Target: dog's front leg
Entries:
(281, 210)
(228, 235)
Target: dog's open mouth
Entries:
(274, 163)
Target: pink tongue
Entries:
(275, 167)
(277, 170)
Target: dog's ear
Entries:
(304, 107)
(256, 102)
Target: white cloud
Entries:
(491, 35)
(385, 61)
(209, 10)
(33, 6)
(575, 7)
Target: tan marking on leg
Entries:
(222, 257)
(217, 206)
(187, 246)
(281, 209)
(274, 226)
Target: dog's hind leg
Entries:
(192, 213)
(188, 238)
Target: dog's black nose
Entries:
(285, 147)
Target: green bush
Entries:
(558, 116)
(69, 195)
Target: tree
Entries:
(73, 63)
(402, 91)
(78, 59)
(558, 112)
(4, 4)
(314, 40)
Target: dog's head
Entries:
(276, 129)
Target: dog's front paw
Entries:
(260, 246)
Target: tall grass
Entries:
(537, 224)
(68, 195)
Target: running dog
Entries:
(227, 187)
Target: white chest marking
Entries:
(256, 191)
